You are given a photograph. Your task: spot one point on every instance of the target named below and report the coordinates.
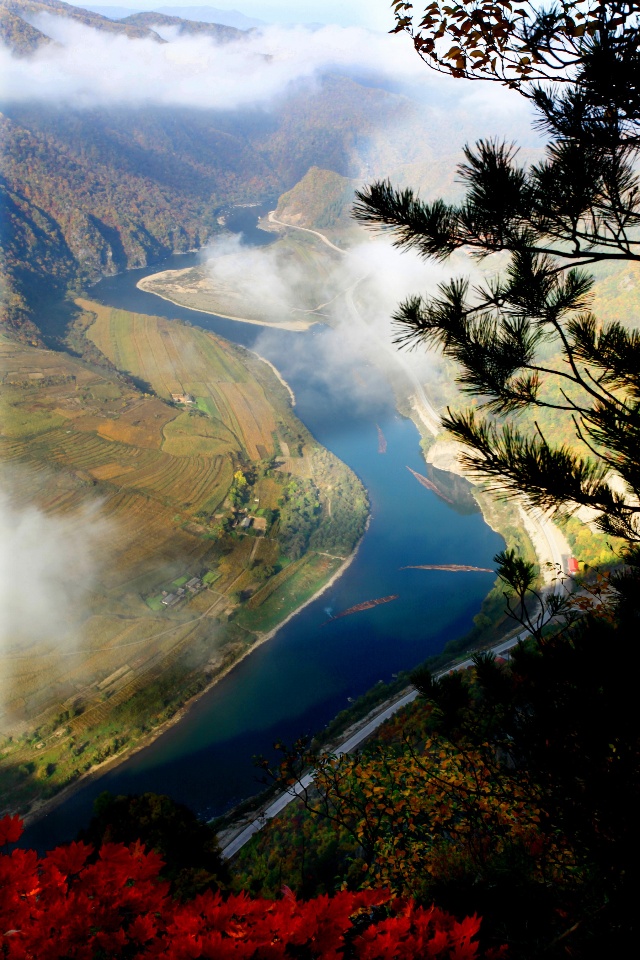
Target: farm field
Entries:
(213, 286)
(271, 606)
(145, 494)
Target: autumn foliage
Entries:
(500, 40)
(72, 903)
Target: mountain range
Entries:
(88, 191)
(229, 18)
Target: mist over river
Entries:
(300, 679)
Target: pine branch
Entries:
(512, 462)
(431, 229)
(614, 351)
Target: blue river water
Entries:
(299, 680)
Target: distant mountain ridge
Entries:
(30, 8)
(219, 31)
(205, 14)
(23, 38)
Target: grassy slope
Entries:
(76, 434)
(322, 200)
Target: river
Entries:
(299, 680)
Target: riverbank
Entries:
(279, 376)
(235, 834)
(548, 543)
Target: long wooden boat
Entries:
(366, 605)
(453, 567)
(429, 485)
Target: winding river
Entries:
(307, 673)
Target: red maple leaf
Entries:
(142, 929)
(69, 859)
(60, 906)
(11, 828)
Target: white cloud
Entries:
(48, 566)
(90, 67)
(372, 278)
(268, 280)
(87, 68)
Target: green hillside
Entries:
(322, 200)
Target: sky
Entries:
(375, 14)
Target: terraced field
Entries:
(176, 359)
(141, 488)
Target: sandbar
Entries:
(296, 326)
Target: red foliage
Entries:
(63, 906)
(10, 830)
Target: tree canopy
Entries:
(510, 790)
(527, 339)
(516, 43)
(112, 903)
(187, 845)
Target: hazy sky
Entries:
(375, 14)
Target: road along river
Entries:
(299, 680)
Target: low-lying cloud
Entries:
(268, 280)
(90, 67)
(366, 285)
(48, 566)
(86, 67)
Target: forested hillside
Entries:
(321, 200)
(21, 37)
